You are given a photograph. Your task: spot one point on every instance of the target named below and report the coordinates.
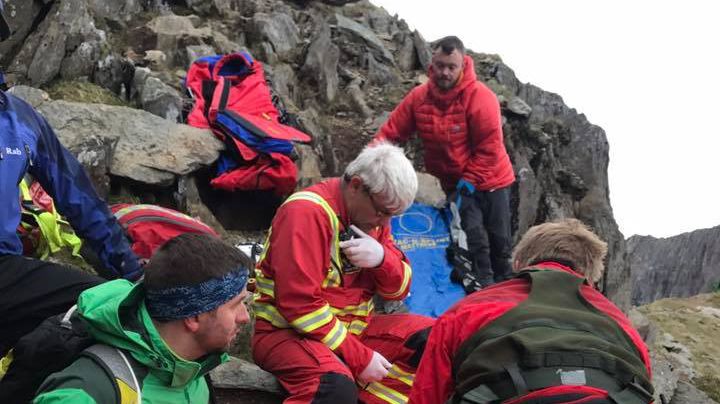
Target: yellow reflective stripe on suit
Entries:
(333, 277)
(407, 274)
(313, 320)
(336, 336)
(361, 310)
(386, 393)
(356, 326)
(268, 312)
(264, 285)
(398, 374)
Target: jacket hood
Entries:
(468, 78)
(115, 314)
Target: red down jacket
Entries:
(461, 130)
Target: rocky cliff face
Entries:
(679, 266)
(340, 69)
(113, 71)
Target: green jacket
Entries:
(115, 314)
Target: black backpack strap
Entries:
(123, 369)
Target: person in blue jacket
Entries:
(32, 290)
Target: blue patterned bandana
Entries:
(187, 301)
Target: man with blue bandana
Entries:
(32, 290)
(173, 327)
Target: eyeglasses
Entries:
(379, 210)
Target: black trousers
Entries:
(485, 219)
(32, 290)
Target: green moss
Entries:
(710, 385)
(82, 91)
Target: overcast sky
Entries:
(647, 72)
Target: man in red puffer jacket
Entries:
(458, 119)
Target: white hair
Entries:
(385, 170)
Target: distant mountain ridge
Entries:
(680, 266)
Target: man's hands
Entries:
(376, 370)
(363, 251)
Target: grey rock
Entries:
(266, 53)
(46, 65)
(114, 73)
(277, 29)
(519, 107)
(422, 49)
(339, 2)
(155, 58)
(224, 45)
(686, 393)
(139, 78)
(189, 201)
(194, 52)
(145, 147)
(229, 8)
(380, 20)
(429, 191)
(31, 95)
(357, 98)
(665, 379)
(81, 62)
(226, 8)
(67, 25)
(20, 15)
(321, 63)
(172, 34)
(380, 74)
(405, 55)
(309, 121)
(679, 355)
(640, 322)
(308, 166)
(95, 155)
(240, 374)
(202, 7)
(360, 32)
(116, 13)
(684, 265)
(284, 83)
(160, 99)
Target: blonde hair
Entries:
(566, 240)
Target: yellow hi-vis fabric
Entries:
(325, 315)
(56, 232)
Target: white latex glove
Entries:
(363, 251)
(376, 370)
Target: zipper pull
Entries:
(29, 155)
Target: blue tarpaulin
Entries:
(422, 233)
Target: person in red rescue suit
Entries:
(315, 329)
(458, 119)
(545, 336)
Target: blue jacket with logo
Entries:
(28, 144)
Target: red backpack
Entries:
(150, 226)
(233, 99)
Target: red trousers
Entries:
(300, 363)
